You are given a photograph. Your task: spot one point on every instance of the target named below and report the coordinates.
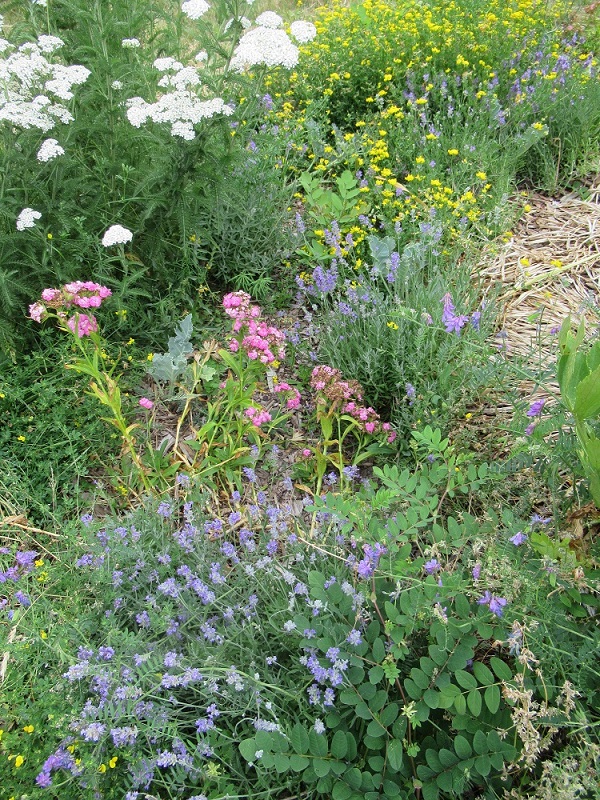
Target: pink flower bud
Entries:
(146, 403)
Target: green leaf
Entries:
(281, 762)
(462, 747)
(339, 745)
(389, 714)
(587, 396)
(430, 791)
(353, 778)
(395, 754)
(474, 702)
(419, 677)
(378, 650)
(317, 744)
(502, 671)
(483, 765)
(375, 729)
(363, 711)
(298, 763)
(390, 789)
(321, 767)
(482, 673)
(376, 674)
(465, 679)
(432, 698)
(248, 749)
(492, 698)
(264, 740)
(480, 742)
(460, 704)
(448, 758)
(341, 791)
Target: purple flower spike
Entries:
(495, 604)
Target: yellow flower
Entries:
(39, 562)
(150, 357)
(113, 762)
(71, 748)
(524, 261)
(131, 341)
(556, 263)
(419, 160)
(453, 151)
(21, 438)
(387, 77)
(102, 768)
(49, 235)
(527, 208)
(393, 326)
(29, 729)
(19, 761)
(481, 175)
(538, 126)
(468, 416)
(43, 634)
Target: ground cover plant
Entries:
(257, 538)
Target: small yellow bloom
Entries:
(43, 634)
(21, 438)
(453, 151)
(468, 416)
(150, 357)
(524, 261)
(192, 237)
(481, 175)
(39, 562)
(556, 262)
(419, 160)
(538, 126)
(29, 729)
(393, 326)
(526, 208)
(49, 236)
(102, 768)
(71, 748)
(19, 761)
(113, 762)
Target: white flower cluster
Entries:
(49, 149)
(264, 45)
(195, 9)
(269, 19)
(28, 78)
(27, 218)
(116, 234)
(130, 44)
(302, 31)
(180, 107)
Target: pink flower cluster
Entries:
(346, 396)
(77, 294)
(258, 416)
(260, 341)
(293, 401)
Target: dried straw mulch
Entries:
(536, 294)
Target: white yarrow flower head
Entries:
(269, 19)
(116, 85)
(195, 9)
(48, 44)
(201, 56)
(116, 234)
(27, 218)
(269, 46)
(302, 31)
(49, 149)
(131, 43)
